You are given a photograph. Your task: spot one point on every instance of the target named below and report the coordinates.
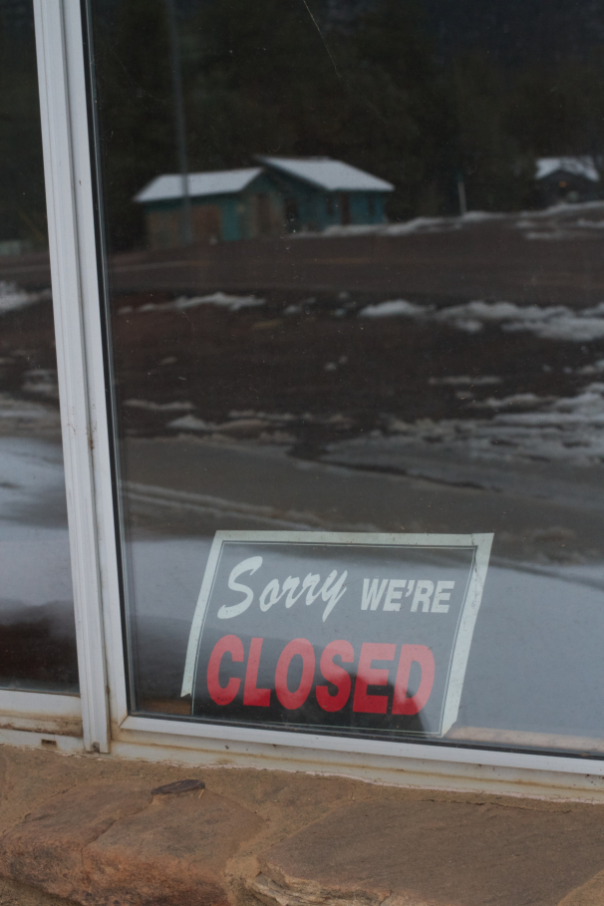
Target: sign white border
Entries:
(469, 611)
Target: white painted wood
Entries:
(49, 705)
(54, 742)
(92, 265)
(41, 712)
(539, 776)
(226, 736)
(75, 295)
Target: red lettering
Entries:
(335, 674)
(372, 676)
(293, 700)
(224, 695)
(403, 704)
(252, 695)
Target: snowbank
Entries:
(548, 322)
(224, 300)
(12, 297)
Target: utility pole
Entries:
(186, 226)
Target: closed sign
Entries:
(363, 634)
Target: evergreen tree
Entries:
(497, 172)
(22, 196)
(413, 91)
(133, 77)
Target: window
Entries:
(354, 472)
(37, 627)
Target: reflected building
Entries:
(283, 195)
(568, 179)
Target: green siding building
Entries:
(283, 195)
(320, 193)
(225, 205)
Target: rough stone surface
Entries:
(114, 843)
(174, 852)
(412, 827)
(436, 854)
(46, 849)
(589, 894)
(12, 893)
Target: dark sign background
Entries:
(279, 625)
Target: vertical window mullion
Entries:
(79, 347)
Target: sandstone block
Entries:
(174, 852)
(46, 849)
(430, 853)
(111, 844)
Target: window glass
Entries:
(356, 288)
(37, 630)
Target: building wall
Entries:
(314, 209)
(561, 187)
(269, 206)
(261, 209)
(163, 229)
(257, 211)
(208, 221)
(229, 207)
(367, 207)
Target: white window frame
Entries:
(107, 726)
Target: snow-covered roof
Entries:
(219, 182)
(576, 166)
(325, 173)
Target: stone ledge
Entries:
(109, 832)
(435, 853)
(112, 843)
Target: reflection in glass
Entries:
(390, 317)
(37, 631)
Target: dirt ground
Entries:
(322, 360)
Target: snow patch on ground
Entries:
(407, 227)
(20, 416)
(159, 407)
(394, 308)
(547, 322)
(515, 401)
(224, 300)
(561, 221)
(42, 382)
(190, 423)
(12, 297)
(569, 430)
(464, 380)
